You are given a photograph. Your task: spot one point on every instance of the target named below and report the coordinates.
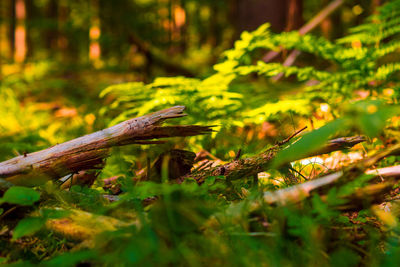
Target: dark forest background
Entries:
(149, 38)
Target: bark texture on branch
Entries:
(89, 151)
(251, 166)
(374, 192)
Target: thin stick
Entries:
(293, 135)
(238, 154)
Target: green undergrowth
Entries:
(344, 87)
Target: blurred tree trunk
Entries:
(329, 26)
(51, 34)
(62, 40)
(375, 4)
(213, 24)
(30, 15)
(326, 24)
(12, 28)
(20, 32)
(247, 15)
(170, 5)
(56, 41)
(294, 15)
(94, 33)
(183, 27)
(5, 30)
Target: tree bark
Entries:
(251, 166)
(88, 151)
(295, 194)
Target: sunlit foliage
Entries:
(352, 81)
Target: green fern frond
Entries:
(357, 61)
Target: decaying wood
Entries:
(83, 226)
(388, 172)
(89, 151)
(339, 144)
(251, 166)
(179, 163)
(295, 194)
(86, 177)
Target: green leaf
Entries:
(210, 180)
(28, 226)
(308, 143)
(373, 124)
(20, 195)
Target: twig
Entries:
(288, 62)
(290, 137)
(238, 154)
(299, 173)
(7, 212)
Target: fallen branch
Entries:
(295, 194)
(339, 144)
(388, 172)
(178, 162)
(89, 151)
(251, 166)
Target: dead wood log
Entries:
(387, 172)
(251, 166)
(89, 151)
(86, 177)
(178, 162)
(295, 194)
(339, 144)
